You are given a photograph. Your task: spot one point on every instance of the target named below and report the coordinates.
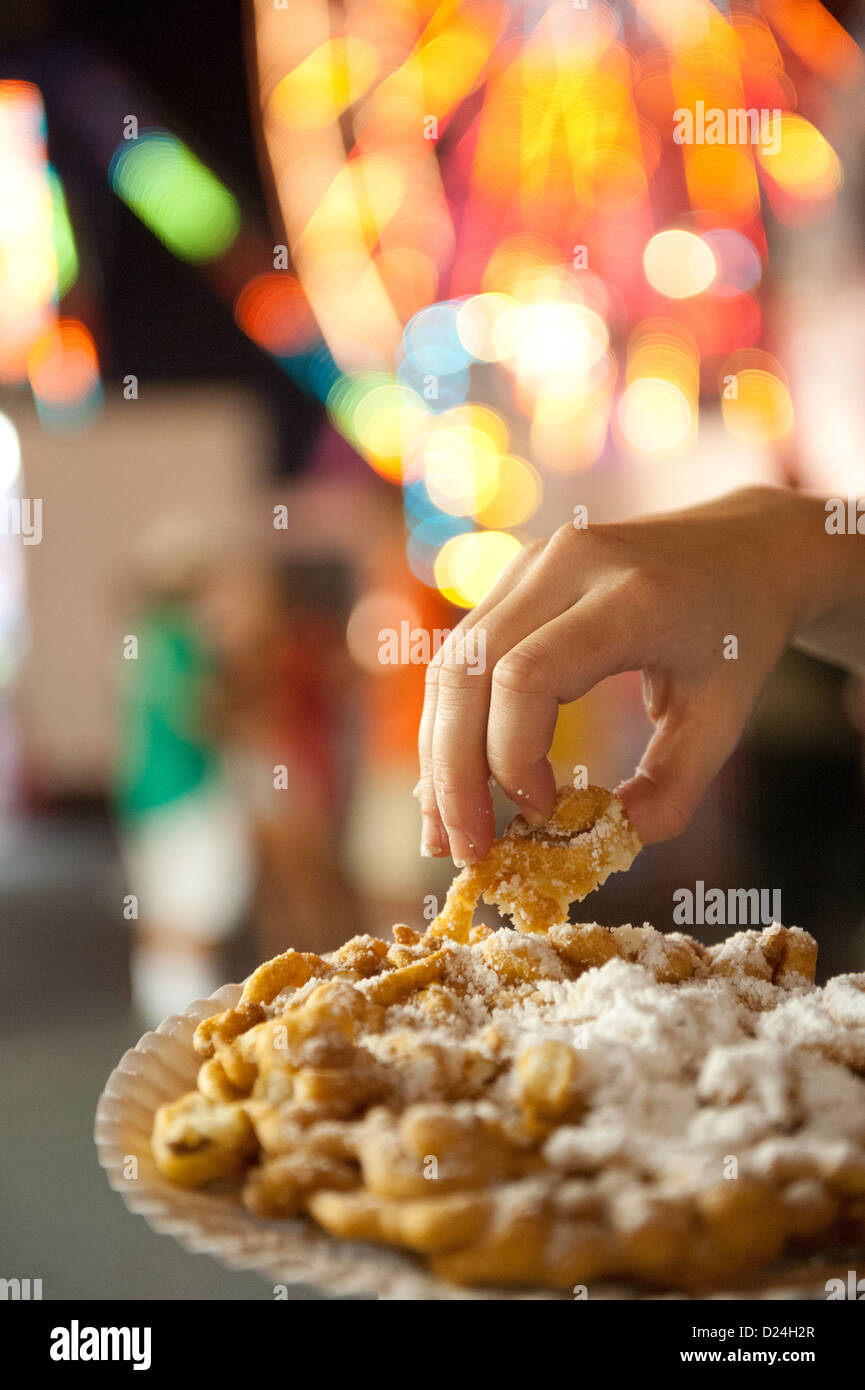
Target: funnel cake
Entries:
(527, 1110)
(534, 873)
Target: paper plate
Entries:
(164, 1065)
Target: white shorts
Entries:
(190, 864)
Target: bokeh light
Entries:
(63, 236)
(176, 196)
(381, 417)
(272, 310)
(654, 415)
(468, 565)
(482, 327)
(737, 261)
(319, 89)
(722, 181)
(555, 213)
(426, 539)
(28, 263)
(63, 366)
(556, 343)
(678, 264)
(799, 161)
(658, 409)
(755, 400)
(63, 369)
(461, 469)
(517, 495)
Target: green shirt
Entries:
(164, 754)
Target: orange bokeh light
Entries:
(273, 311)
(63, 365)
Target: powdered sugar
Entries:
(675, 1078)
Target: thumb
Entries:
(684, 755)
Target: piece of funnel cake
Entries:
(534, 873)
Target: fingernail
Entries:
(433, 844)
(533, 815)
(415, 791)
(463, 848)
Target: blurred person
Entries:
(281, 707)
(663, 595)
(184, 839)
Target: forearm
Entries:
(830, 562)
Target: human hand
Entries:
(661, 595)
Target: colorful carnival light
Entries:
(468, 565)
(679, 264)
(28, 264)
(489, 201)
(63, 370)
(175, 195)
(63, 237)
(38, 265)
(755, 398)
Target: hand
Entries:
(662, 595)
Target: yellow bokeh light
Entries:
(654, 415)
(678, 264)
(722, 180)
(461, 469)
(618, 179)
(661, 348)
(517, 258)
(516, 497)
(757, 406)
(478, 417)
(333, 76)
(381, 419)
(800, 159)
(556, 341)
(468, 565)
(451, 65)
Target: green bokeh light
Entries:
(62, 236)
(175, 195)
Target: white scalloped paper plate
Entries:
(162, 1067)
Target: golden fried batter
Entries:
(534, 874)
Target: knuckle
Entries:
(521, 671)
(431, 686)
(564, 541)
(439, 658)
(454, 676)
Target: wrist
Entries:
(824, 567)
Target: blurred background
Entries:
(312, 314)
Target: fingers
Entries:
(434, 836)
(554, 665)
(459, 765)
(685, 754)
(545, 644)
(433, 839)
(460, 770)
